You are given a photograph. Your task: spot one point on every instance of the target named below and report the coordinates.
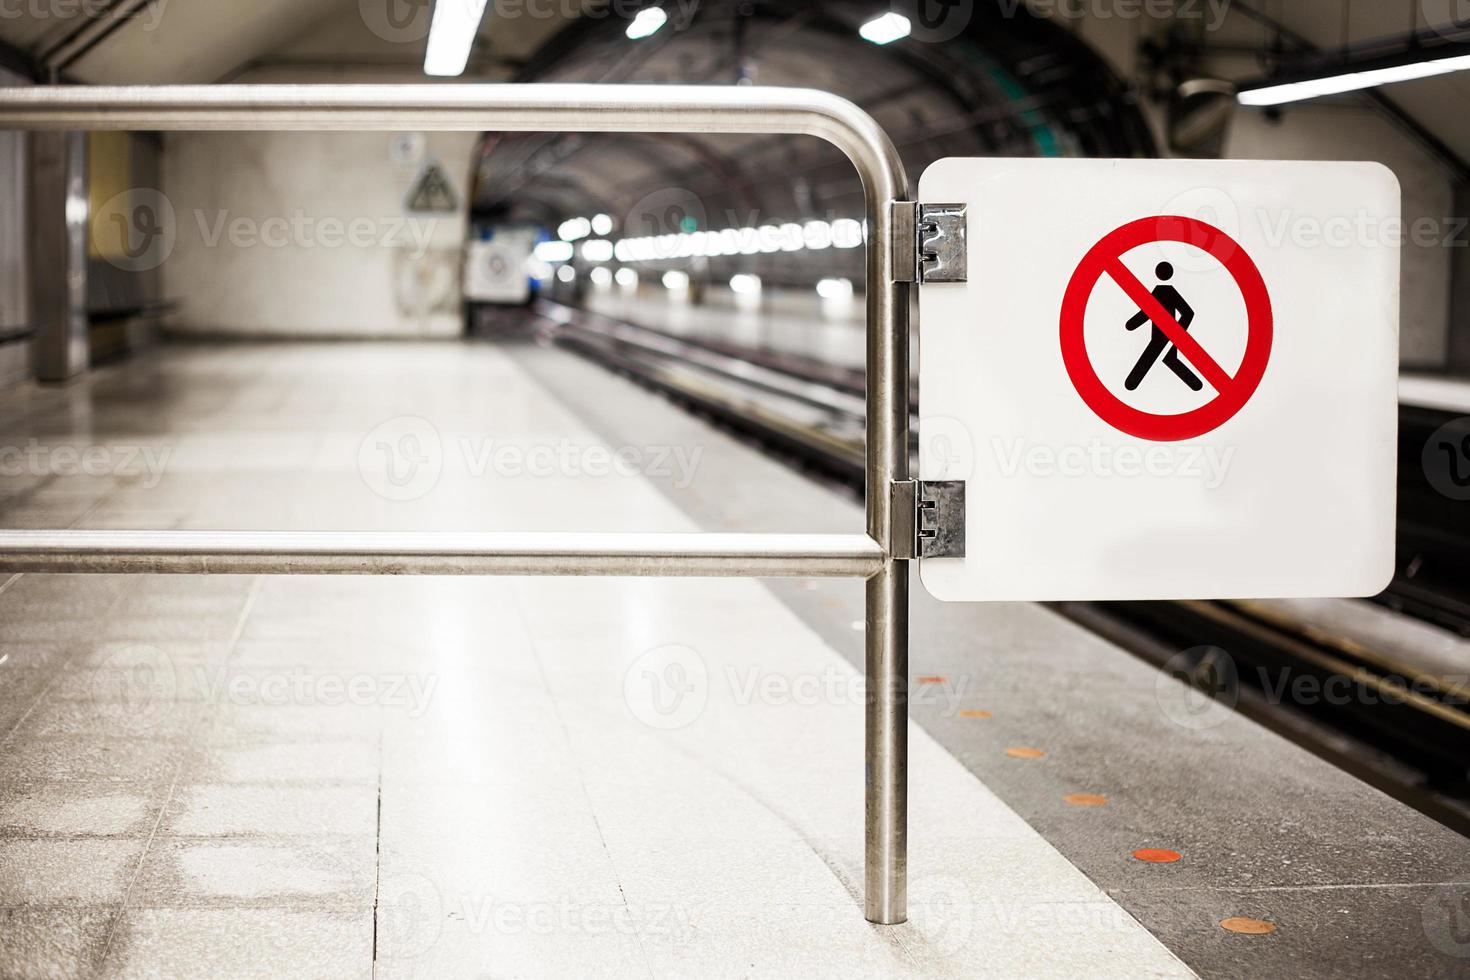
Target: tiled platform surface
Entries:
(268, 776)
(1353, 882)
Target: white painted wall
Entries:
(307, 234)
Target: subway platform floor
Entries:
(264, 776)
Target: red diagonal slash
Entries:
(1196, 355)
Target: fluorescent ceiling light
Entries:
(835, 289)
(885, 29)
(554, 251)
(602, 224)
(745, 283)
(817, 234)
(451, 35)
(847, 233)
(648, 21)
(675, 279)
(573, 229)
(627, 278)
(1352, 81)
(597, 250)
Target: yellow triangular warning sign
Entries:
(432, 191)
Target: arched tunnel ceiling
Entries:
(1006, 86)
(1011, 83)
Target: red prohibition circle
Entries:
(1106, 255)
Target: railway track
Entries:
(805, 411)
(1396, 724)
(1433, 578)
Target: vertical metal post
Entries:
(886, 617)
(58, 261)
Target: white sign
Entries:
(1165, 379)
(495, 271)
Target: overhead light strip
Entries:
(451, 35)
(1349, 80)
(646, 23)
(885, 29)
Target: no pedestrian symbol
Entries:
(1165, 312)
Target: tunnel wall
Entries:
(308, 234)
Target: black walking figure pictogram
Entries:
(1181, 311)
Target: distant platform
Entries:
(1436, 392)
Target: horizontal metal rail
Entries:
(465, 108)
(537, 108)
(442, 553)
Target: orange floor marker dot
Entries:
(1085, 799)
(974, 714)
(1247, 926)
(1023, 752)
(931, 679)
(1157, 855)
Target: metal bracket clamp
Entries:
(943, 253)
(929, 242)
(928, 519)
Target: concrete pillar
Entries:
(58, 259)
(1459, 334)
(15, 284)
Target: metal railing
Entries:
(568, 108)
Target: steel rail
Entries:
(443, 553)
(599, 108)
